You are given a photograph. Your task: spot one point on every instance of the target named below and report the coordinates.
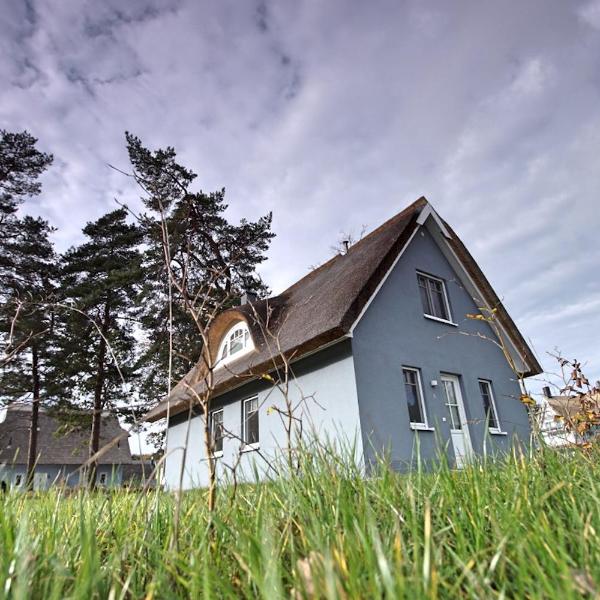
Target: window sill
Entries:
(445, 321)
(214, 456)
(497, 432)
(250, 447)
(419, 427)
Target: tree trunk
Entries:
(98, 401)
(33, 425)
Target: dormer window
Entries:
(236, 342)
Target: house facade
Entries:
(62, 450)
(385, 359)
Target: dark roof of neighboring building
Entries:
(54, 448)
(569, 406)
(321, 308)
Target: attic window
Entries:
(434, 297)
(236, 342)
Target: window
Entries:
(452, 403)
(433, 297)
(489, 405)
(414, 397)
(216, 432)
(18, 480)
(237, 341)
(102, 478)
(250, 433)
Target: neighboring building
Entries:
(555, 412)
(139, 473)
(383, 355)
(61, 450)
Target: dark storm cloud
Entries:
(334, 115)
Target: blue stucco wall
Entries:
(60, 474)
(393, 333)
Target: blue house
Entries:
(62, 450)
(382, 354)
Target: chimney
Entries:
(546, 391)
(346, 244)
(248, 298)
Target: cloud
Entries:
(335, 115)
(590, 13)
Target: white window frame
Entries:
(245, 446)
(18, 480)
(424, 426)
(211, 415)
(449, 320)
(225, 342)
(102, 478)
(498, 429)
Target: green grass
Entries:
(516, 528)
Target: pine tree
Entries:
(206, 254)
(27, 317)
(24, 250)
(21, 165)
(95, 363)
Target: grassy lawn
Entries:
(517, 528)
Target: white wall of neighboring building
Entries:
(553, 431)
(329, 410)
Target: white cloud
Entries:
(590, 13)
(532, 78)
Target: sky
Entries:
(335, 115)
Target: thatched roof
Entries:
(569, 406)
(70, 448)
(321, 308)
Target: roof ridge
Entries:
(421, 201)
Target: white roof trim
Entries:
(383, 280)
(428, 211)
(478, 296)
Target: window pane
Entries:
(438, 299)
(452, 404)
(427, 308)
(488, 406)
(216, 431)
(413, 396)
(253, 428)
(410, 377)
(236, 341)
(251, 432)
(456, 424)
